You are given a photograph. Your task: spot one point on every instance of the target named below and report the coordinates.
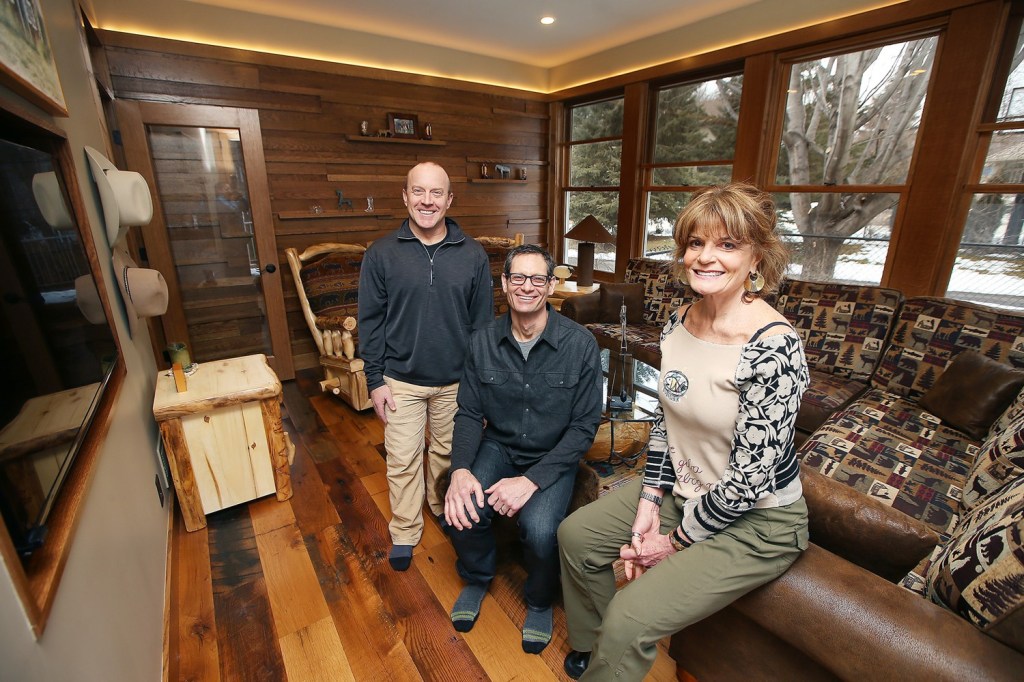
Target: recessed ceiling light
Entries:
(547, 20)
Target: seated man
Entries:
(534, 377)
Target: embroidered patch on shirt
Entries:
(675, 384)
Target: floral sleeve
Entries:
(772, 376)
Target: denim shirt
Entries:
(544, 410)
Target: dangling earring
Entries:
(754, 283)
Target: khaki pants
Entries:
(416, 406)
(622, 629)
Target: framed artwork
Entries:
(403, 125)
(26, 60)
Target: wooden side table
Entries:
(223, 436)
(564, 290)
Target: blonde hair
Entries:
(747, 215)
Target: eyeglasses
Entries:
(419, 193)
(519, 278)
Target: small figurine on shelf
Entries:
(484, 173)
(522, 173)
(369, 205)
(428, 134)
(504, 172)
(342, 201)
(364, 128)
(316, 209)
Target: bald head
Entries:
(427, 196)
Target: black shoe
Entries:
(576, 663)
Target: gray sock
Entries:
(400, 557)
(466, 609)
(537, 630)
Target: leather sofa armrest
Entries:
(860, 626)
(860, 529)
(584, 309)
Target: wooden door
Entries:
(212, 234)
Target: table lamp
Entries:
(587, 232)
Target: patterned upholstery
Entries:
(1001, 458)
(331, 284)
(930, 332)
(844, 327)
(642, 340)
(662, 293)
(979, 573)
(886, 447)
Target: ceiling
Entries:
(508, 29)
(496, 42)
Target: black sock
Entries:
(537, 630)
(466, 609)
(400, 557)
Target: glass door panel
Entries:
(200, 177)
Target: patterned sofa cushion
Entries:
(332, 284)
(844, 327)
(979, 573)
(930, 332)
(1001, 460)
(662, 293)
(889, 449)
(643, 341)
(826, 394)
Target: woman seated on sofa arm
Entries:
(720, 509)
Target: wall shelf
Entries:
(515, 181)
(309, 215)
(394, 140)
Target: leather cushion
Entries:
(972, 392)
(612, 296)
(862, 530)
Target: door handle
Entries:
(270, 267)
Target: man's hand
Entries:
(381, 396)
(464, 496)
(508, 495)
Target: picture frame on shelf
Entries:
(26, 59)
(403, 125)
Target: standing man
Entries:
(534, 378)
(422, 290)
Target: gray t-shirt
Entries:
(526, 346)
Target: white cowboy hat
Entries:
(144, 291)
(125, 195)
(50, 201)
(87, 298)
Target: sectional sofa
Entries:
(913, 470)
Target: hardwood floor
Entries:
(301, 590)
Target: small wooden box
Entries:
(223, 436)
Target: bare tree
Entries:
(851, 119)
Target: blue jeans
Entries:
(538, 527)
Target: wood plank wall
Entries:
(307, 110)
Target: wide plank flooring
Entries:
(302, 590)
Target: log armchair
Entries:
(327, 282)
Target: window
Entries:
(849, 130)
(595, 157)
(694, 143)
(989, 264)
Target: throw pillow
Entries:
(612, 296)
(972, 392)
(1001, 459)
(979, 571)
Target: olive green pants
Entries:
(622, 629)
